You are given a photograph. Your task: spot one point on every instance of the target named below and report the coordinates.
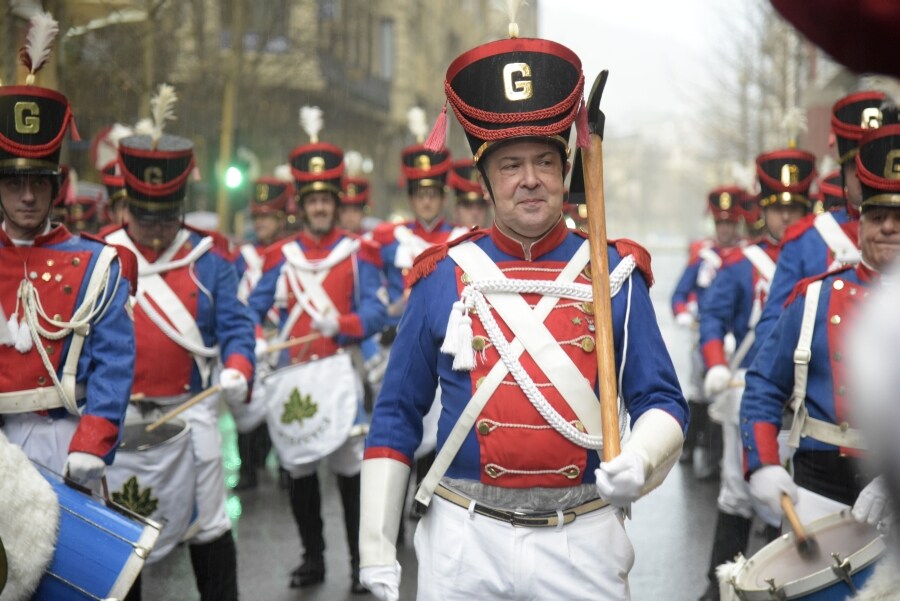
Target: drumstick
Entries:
(183, 407)
(280, 346)
(138, 396)
(807, 546)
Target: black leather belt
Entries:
(543, 519)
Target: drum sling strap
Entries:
(532, 335)
(305, 277)
(845, 251)
(65, 392)
(804, 425)
(181, 327)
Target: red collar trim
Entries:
(418, 225)
(57, 235)
(549, 241)
(326, 241)
(866, 274)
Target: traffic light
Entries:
(235, 175)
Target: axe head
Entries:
(596, 122)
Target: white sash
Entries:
(305, 277)
(151, 285)
(845, 251)
(761, 261)
(409, 247)
(710, 262)
(253, 272)
(499, 371)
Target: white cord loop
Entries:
(473, 297)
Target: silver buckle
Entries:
(802, 356)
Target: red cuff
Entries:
(260, 333)
(714, 354)
(242, 364)
(94, 435)
(386, 453)
(679, 307)
(350, 325)
(766, 437)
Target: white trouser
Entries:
(44, 440)
(209, 472)
(345, 461)
(463, 556)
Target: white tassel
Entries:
(162, 107)
(450, 337)
(417, 123)
(464, 359)
(353, 160)
(312, 121)
(726, 573)
(23, 339)
(12, 324)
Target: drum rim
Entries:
(185, 431)
(810, 583)
(269, 373)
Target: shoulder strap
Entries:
(844, 249)
(761, 261)
(802, 357)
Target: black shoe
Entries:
(308, 574)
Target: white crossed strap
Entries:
(252, 273)
(173, 319)
(845, 251)
(305, 278)
(532, 335)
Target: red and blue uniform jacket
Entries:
(352, 285)
(770, 379)
(396, 277)
(62, 264)
(804, 254)
(208, 289)
(727, 305)
(416, 367)
(691, 285)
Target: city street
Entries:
(671, 529)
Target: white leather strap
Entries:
(710, 256)
(307, 284)
(252, 273)
(802, 357)
(36, 399)
(409, 247)
(761, 261)
(490, 383)
(845, 251)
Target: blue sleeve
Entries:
(263, 296)
(648, 378)
(718, 307)
(394, 277)
(233, 322)
(106, 364)
(366, 305)
(769, 384)
(686, 284)
(788, 271)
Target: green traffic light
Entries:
(234, 177)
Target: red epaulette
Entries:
(641, 255)
(383, 233)
(272, 253)
(800, 289)
(427, 261)
(128, 266)
(694, 249)
(222, 243)
(796, 230)
(369, 250)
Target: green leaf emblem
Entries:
(132, 497)
(298, 408)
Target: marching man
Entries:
(803, 360)
(502, 320)
(187, 317)
(732, 304)
(327, 282)
(70, 352)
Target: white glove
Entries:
(82, 467)
(382, 581)
(234, 386)
(717, 380)
(684, 319)
(621, 480)
(768, 483)
(326, 324)
(873, 505)
(262, 349)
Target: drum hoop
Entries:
(185, 431)
(811, 583)
(284, 368)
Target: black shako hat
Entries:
(270, 195)
(785, 176)
(878, 167)
(463, 178)
(724, 203)
(514, 88)
(156, 175)
(851, 116)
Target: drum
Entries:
(153, 476)
(847, 555)
(99, 551)
(311, 408)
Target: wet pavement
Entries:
(671, 529)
